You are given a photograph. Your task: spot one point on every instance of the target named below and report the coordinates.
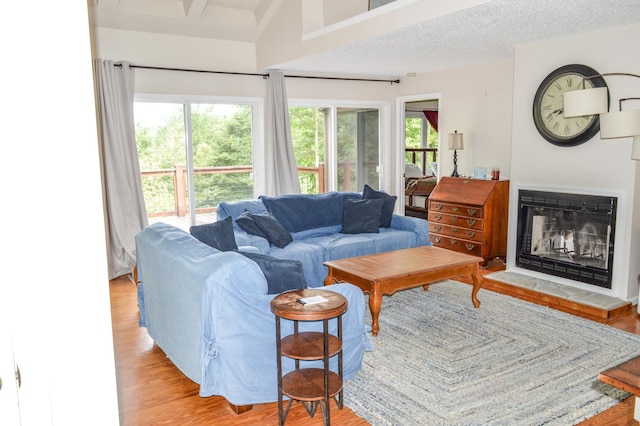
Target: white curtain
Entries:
(124, 201)
(280, 161)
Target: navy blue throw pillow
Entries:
(275, 232)
(387, 208)
(246, 223)
(218, 235)
(360, 216)
(266, 226)
(282, 275)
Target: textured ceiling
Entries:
(474, 35)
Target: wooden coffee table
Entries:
(388, 272)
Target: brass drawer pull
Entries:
(454, 230)
(437, 239)
(437, 216)
(471, 234)
(453, 241)
(470, 247)
(471, 222)
(472, 212)
(454, 208)
(437, 206)
(437, 228)
(454, 219)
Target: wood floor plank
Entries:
(152, 391)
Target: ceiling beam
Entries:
(193, 9)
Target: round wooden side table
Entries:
(309, 386)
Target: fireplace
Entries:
(567, 235)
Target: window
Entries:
(308, 137)
(419, 134)
(340, 143)
(193, 155)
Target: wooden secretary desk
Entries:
(470, 216)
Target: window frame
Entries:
(331, 147)
(257, 135)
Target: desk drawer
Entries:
(455, 220)
(456, 244)
(456, 209)
(456, 231)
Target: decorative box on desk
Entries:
(470, 216)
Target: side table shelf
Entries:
(309, 386)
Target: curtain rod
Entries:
(397, 81)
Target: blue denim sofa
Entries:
(315, 222)
(209, 310)
(210, 313)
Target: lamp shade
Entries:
(635, 148)
(586, 102)
(620, 124)
(455, 141)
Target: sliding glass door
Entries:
(162, 156)
(221, 147)
(342, 142)
(358, 149)
(193, 155)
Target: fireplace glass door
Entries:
(567, 235)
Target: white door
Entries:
(9, 408)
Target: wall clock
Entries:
(548, 106)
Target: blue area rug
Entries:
(439, 361)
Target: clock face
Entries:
(548, 106)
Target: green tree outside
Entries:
(218, 139)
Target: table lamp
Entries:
(455, 143)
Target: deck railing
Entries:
(425, 155)
(165, 190)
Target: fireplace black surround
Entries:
(567, 235)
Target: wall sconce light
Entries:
(616, 124)
(620, 124)
(455, 143)
(635, 148)
(586, 101)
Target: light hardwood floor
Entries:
(152, 391)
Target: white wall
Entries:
(600, 165)
(55, 262)
(475, 101)
(178, 51)
(158, 50)
(339, 10)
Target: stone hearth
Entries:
(560, 291)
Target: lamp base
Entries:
(455, 164)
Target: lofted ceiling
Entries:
(485, 32)
(236, 20)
